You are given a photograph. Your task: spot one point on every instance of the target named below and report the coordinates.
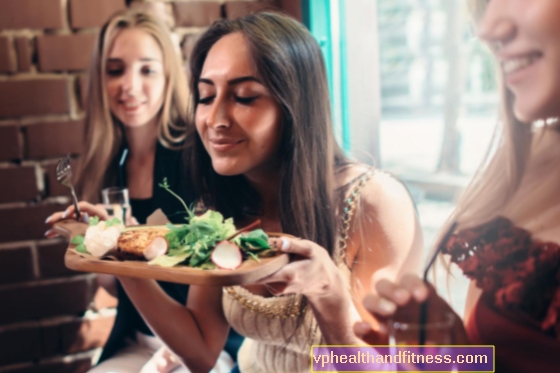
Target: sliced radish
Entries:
(226, 255)
(156, 248)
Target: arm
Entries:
(195, 333)
(385, 241)
(385, 238)
(389, 241)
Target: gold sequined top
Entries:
(273, 343)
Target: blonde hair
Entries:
(499, 176)
(104, 134)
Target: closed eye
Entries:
(205, 100)
(246, 100)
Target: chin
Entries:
(527, 113)
(226, 170)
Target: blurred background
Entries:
(412, 91)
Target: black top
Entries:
(168, 164)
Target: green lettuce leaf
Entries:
(170, 261)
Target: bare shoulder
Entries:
(382, 192)
(386, 234)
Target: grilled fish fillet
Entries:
(133, 242)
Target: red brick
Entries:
(188, 44)
(54, 139)
(102, 299)
(10, 147)
(92, 13)
(85, 335)
(52, 187)
(291, 8)
(16, 265)
(235, 9)
(35, 14)
(25, 223)
(50, 338)
(65, 52)
(18, 345)
(19, 184)
(33, 97)
(81, 365)
(82, 90)
(6, 63)
(41, 301)
(51, 260)
(23, 52)
(196, 13)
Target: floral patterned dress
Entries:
(519, 310)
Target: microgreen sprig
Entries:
(166, 186)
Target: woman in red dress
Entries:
(506, 227)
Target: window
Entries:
(413, 92)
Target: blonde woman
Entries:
(507, 224)
(135, 123)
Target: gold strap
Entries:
(292, 310)
(347, 214)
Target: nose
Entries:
(497, 26)
(131, 82)
(218, 116)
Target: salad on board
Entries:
(207, 241)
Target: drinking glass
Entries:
(116, 202)
(432, 336)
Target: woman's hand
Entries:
(87, 210)
(402, 302)
(163, 361)
(311, 271)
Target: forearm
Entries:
(109, 283)
(336, 315)
(174, 323)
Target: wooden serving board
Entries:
(249, 272)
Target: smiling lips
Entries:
(222, 145)
(131, 106)
(511, 65)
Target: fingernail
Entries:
(65, 214)
(386, 306)
(47, 233)
(420, 294)
(85, 217)
(285, 244)
(48, 219)
(401, 295)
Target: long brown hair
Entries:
(290, 64)
(104, 133)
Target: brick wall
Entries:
(53, 319)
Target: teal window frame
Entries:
(327, 23)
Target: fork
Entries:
(64, 176)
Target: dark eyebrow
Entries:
(232, 81)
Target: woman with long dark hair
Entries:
(264, 148)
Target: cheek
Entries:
(542, 17)
(199, 120)
(155, 90)
(112, 88)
